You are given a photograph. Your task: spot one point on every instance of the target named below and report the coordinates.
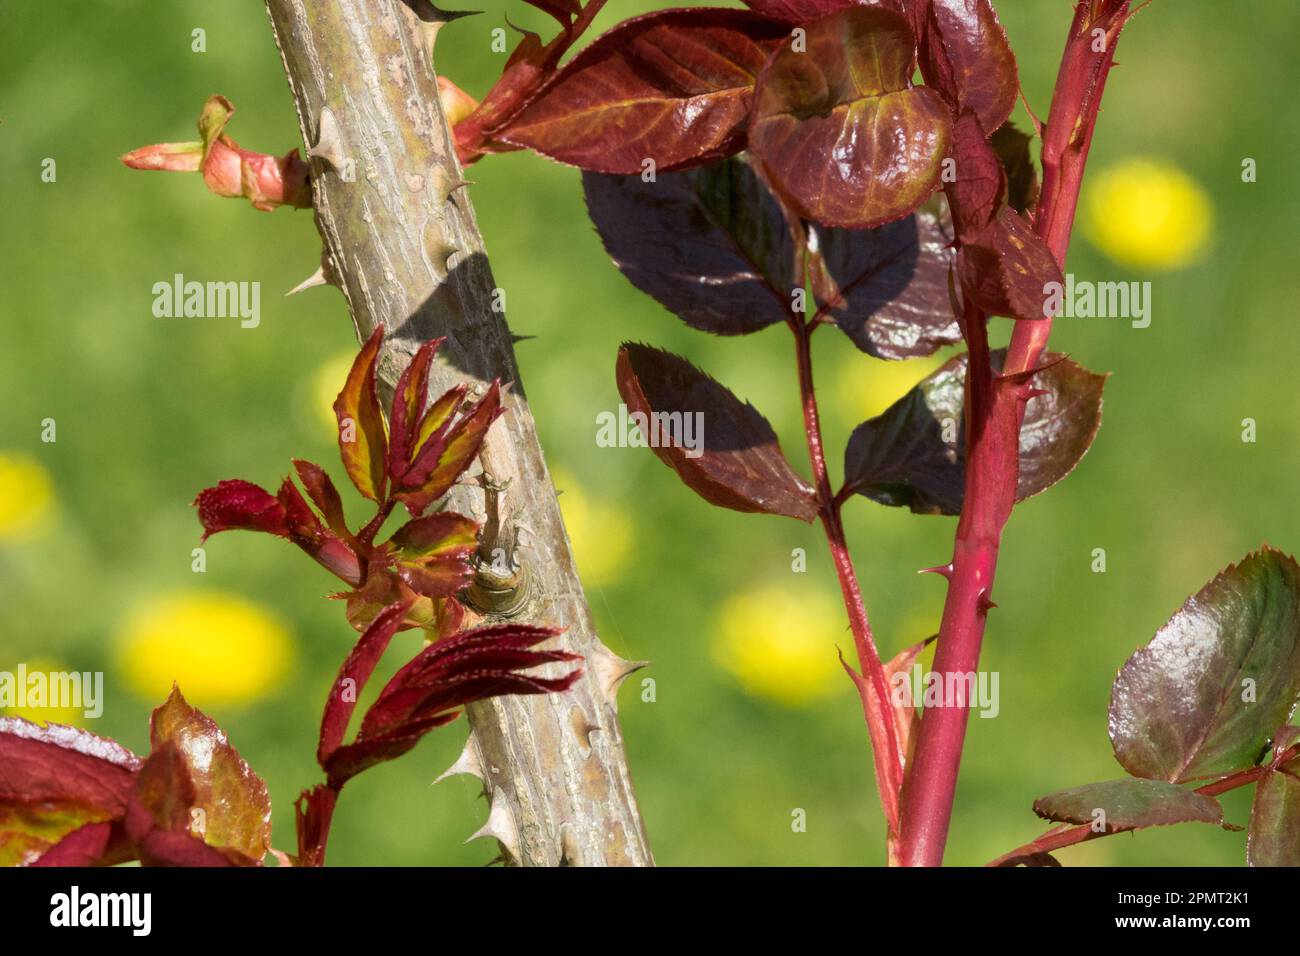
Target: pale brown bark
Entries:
(402, 243)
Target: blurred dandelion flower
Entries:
(865, 387)
(1147, 213)
(324, 388)
(780, 644)
(26, 496)
(71, 716)
(218, 647)
(601, 535)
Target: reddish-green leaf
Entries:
(408, 404)
(449, 450)
(887, 288)
(965, 54)
(1205, 696)
(839, 128)
(234, 800)
(1009, 270)
(362, 439)
(710, 244)
(434, 553)
(321, 490)
(1130, 803)
(721, 447)
(801, 11)
(1274, 837)
(56, 780)
(913, 453)
(673, 87)
(307, 532)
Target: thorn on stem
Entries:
(943, 570)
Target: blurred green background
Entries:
(751, 718)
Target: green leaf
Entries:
(839, 128)
(913, 454)
(1130, 803)
(1205, 696)
(1274, 837)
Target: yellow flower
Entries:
(326, 383)
(601, 535)
(219, 648)
(26, 496)
(72, 716)
(780, 644)
(865, 386)
(1147, 213)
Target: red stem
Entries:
(991, 471)
(875, 695)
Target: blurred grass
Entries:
(151, 410)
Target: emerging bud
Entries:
(228, 170)
(456, 103)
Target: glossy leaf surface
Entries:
(1206, 694)
(887, 288)
(839, 128)
(966, 55)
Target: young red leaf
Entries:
(362, 439)
(1009, 270)
(673, 87)
(472, 665)
(887, 288)
(966, 55)
(237, 504)
(913, 453)
(321, 490)
(979, 186)
(801, 11)
(733, 460)
(408, 404)
(236, 806)
(710, 244)
(447, 453)
(839, 128)
(55, 780)
(1131, 803)
(306, 531)
(1206, 694)
(434, 553)
(88, 845)
(1274, 837)
(483, 662)
(353, 675)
